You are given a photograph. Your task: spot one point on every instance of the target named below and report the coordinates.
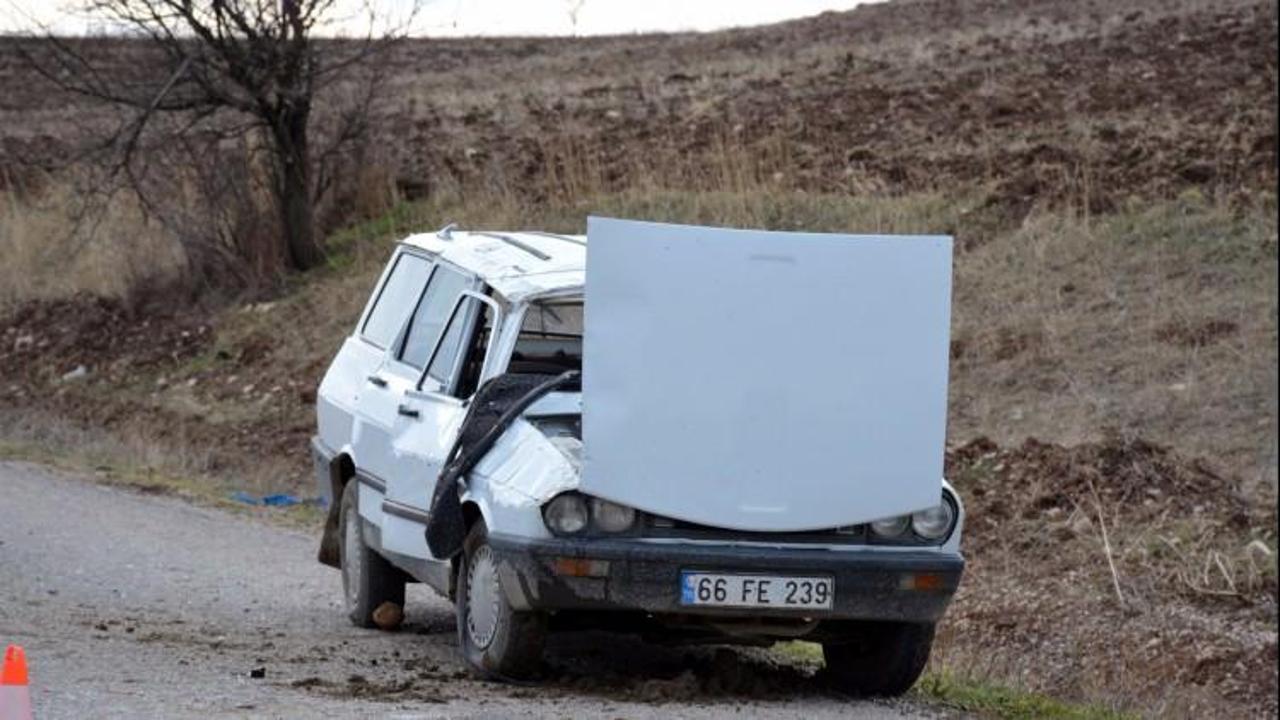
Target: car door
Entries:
(421, 412)
(374, 392)
(346, 377)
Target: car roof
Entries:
(517, 265)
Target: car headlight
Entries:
(934, 523)
(566, 514)
(890, 527)
(611, 517)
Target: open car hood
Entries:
(764, 380)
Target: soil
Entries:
(129, 357)
(1092, 104)
(1039, 600)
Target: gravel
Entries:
(135, 605)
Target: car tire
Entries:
(368, 580)
(497, 641)
(881, 659)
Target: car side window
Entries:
(431, 315)
(462, 351)
(476, 347)
(441, 369)
(395, 301)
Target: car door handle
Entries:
(407, 411)
(378, 380)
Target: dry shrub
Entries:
(195, 223)
(369, 193)
(215, 202)
(47, 254)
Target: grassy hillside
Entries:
(1109, 172)
(1124, 366)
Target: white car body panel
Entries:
(700, 401)
(526, 468)
(340, 390)
(370, 501)
(515, 273)
(418, 449)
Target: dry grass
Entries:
(1203, 559)
(40, 435)
(130, 455)
(49, 253)
(1159, 322)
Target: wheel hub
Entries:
(482, 597)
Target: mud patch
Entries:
(1140, 478)
(626, 668)
(361, 687)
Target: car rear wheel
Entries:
(497, 641)
(368, 580)
(880, 659)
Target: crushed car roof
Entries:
(518, 265)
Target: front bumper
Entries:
(870, 584)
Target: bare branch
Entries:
(227, 84)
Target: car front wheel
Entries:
(497, 641)
(368, 580)
(880, 658)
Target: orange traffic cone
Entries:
(15, 696)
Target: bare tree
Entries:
(229, 71)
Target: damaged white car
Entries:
(690, 433)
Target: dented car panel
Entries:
(526, 462)
(460, 409)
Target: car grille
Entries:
(656, 527)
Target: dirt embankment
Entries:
(160, 373)
(1185, 623)
(1118, 569)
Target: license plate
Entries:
(773, 591)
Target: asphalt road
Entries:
(133, 605)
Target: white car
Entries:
(703, 480)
